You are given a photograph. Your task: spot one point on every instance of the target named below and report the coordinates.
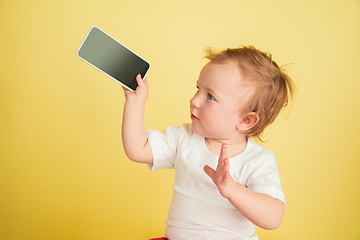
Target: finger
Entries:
(210, 172)
(145, 82)
(126, 91)
(223, 165)
(139, 80)
(226, 164)
(138, 77)
(225, 179)
(223, 151)
(224, 169)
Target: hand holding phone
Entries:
(112, 58)
(141, 93)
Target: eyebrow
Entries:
(209, 90)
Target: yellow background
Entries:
(63, 172)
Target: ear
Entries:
(248, 121)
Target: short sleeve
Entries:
(163, 146)
(264, 177)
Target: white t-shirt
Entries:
(197, 210)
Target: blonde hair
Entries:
(273, 88)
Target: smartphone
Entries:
(111, 57)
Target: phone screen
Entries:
(113, 58)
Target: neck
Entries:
(234, 148)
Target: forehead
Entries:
(221, 77)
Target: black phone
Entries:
(111, 57)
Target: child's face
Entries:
(215, 108)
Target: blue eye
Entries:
(210, 97)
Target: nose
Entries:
(194, 101)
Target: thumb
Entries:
(139, 80)
(210, 172)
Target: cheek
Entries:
(212, 115)
(224, 116)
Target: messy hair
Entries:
(273, 88)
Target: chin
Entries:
(201, 132)
(196, 130)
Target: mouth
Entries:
(193, 117)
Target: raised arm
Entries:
(134, 136)
(261, 209)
